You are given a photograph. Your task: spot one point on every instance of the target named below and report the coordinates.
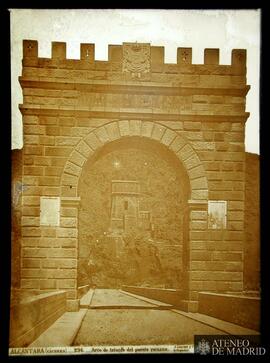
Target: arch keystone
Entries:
(135, 128)
(124, 127)
(146, 129)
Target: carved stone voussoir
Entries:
(136, 57)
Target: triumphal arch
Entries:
(76, 111)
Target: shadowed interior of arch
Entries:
(134, 193)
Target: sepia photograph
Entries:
(135, 182)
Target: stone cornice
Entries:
(51, 111)
(147, 88)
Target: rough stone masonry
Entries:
(72, 108)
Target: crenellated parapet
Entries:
(136, 58)
(135, 80)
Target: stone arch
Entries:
(114, 130)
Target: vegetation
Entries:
(163, 193)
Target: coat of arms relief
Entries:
(136, 58)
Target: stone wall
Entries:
(169, 296)
(33, 315)
(240, 310)
(72, 108)
(252, 224)
(16, 192)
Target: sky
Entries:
(199, 29)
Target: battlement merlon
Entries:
(120, 55)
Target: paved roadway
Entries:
(116, 318)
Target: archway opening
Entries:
(132, 229)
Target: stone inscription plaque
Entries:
(217, 214)
(49, 211)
